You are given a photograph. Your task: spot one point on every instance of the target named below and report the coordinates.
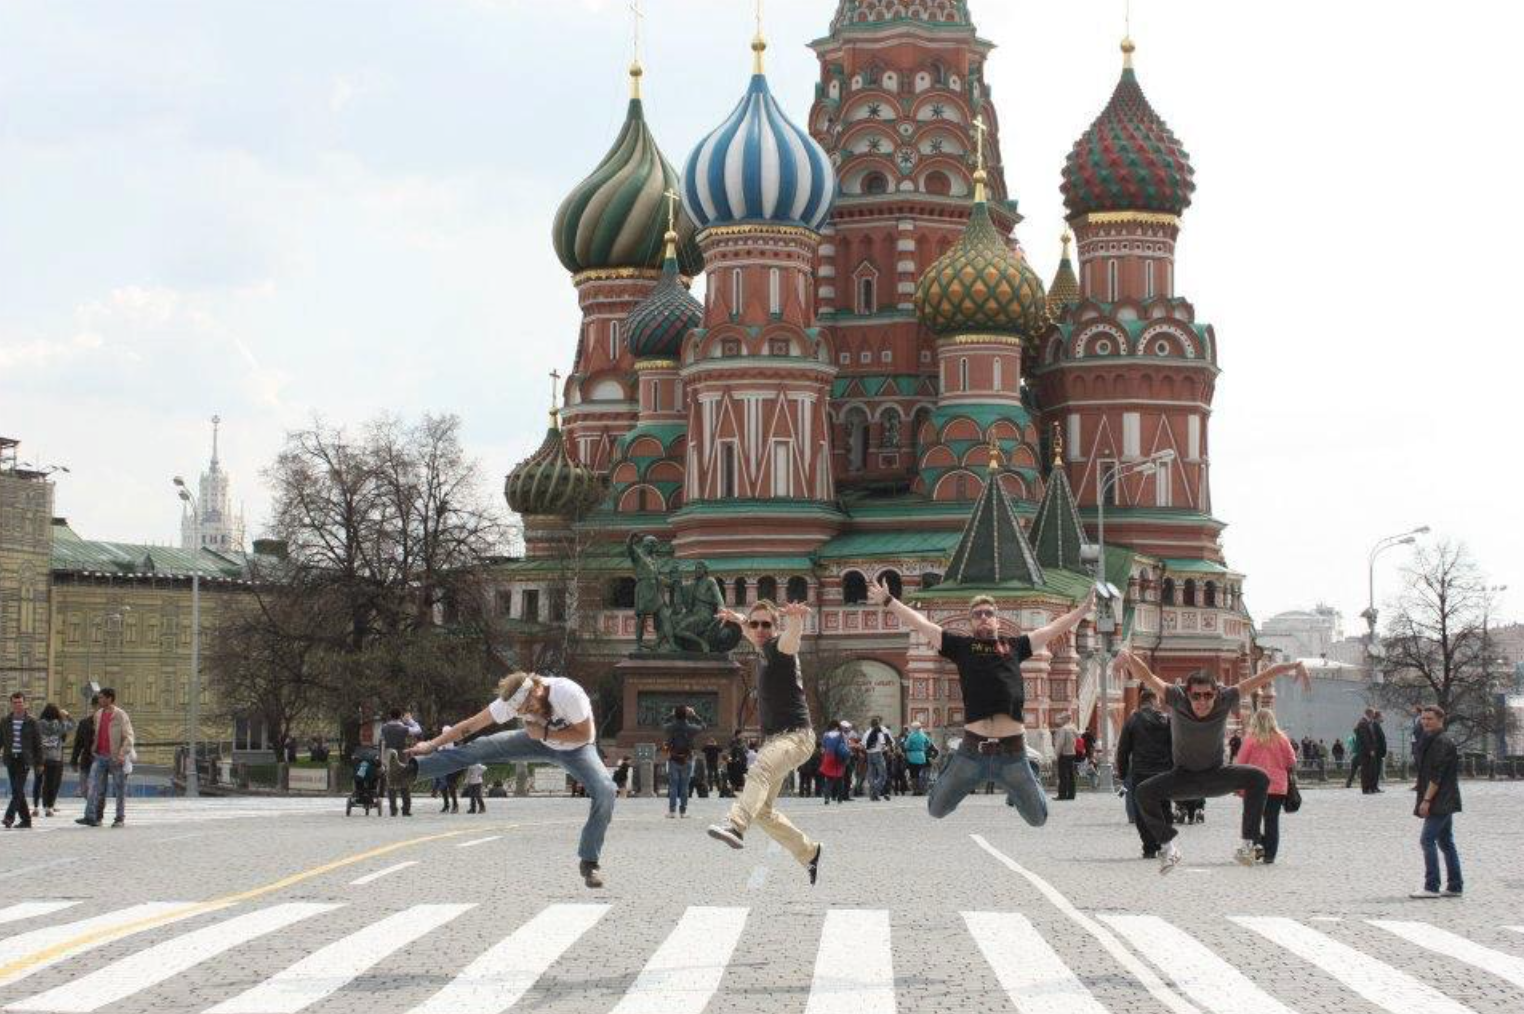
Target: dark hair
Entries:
(679, 711)
(95, 700)
(1147, 696)
(1435, 710)
(18, 696)
(395, 713)
(1200, 678)
(108, 692)
(50, 712)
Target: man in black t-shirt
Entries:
(994, 744)
(785, 719)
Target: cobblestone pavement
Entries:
(286, 905)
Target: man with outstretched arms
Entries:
(558, 729)
(1198, 719)
(994, 744)
(788, 739)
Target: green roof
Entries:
(869, 544)
(775, 566)
(72, 554)
(1057, 535)
(983, 415)
(1184, 566)
(663, 433)
(993, 549)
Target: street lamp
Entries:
(1106, 594)
(193, 718)
(1372, 649)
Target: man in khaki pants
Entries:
(788, 741)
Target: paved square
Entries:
(242, 906)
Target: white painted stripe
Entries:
(683, 974)
(28, 909)
(134, 973)
(478, 841)
(331, 968)
(1031, 972)
(1516, 929)
(1199, 973)
(1118, 950)
(1380, 983)
(95, 931)
(504, 972)
(854, 971)
(372, 877)
(1504, 966)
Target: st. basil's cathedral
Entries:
(879, 387)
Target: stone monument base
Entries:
(656, 682)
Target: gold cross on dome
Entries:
(555, 385)
(639, 16)
(980, 129)
(672, 199)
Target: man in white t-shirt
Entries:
(558, 729)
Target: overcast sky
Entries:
(273, 208)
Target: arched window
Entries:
(890, 438)
(963, 374)
(999, 369)
(857, 439)
(1148, 279)
(798, 589)
(867, 296)
(930, 580)
(738, 592)
(875, 183)
(614, 340)
(1209, 594)
(1167, 592)
(891, 578)
(1190, 591)
(1111, 280)
(720, 581)
(774, 292)
(854, 588)
(938, 184)
(620, 593)
(735, 291)
(767, 588)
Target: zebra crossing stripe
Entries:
(854, 969)
(121, 979)
(686, 969)
(18, 952)
(388, 871)
(1504, 966)
(1380, 983)
(1197, 971)
(331, 968)
(1029, 969)
(478, 841)
(28, 909)
(504, 972)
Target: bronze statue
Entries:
(683, 617)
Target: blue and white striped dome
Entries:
(758, 166)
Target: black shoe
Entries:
(1150, 853)
(24, 827)
(118, 822)
(814, 866)
(88, 822)
(590, 874)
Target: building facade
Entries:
(208, 521)
(26, 512)
(872, 338)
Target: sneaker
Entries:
(814, 866)
(1448, 893)
(1425, 894)
(727, 834)
(1169, 858)
(88, 822)
(590, 874)
(118, 822)
(1245, 854)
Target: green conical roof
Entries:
(993, 550)
(1057, 535)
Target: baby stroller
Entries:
(367, 782)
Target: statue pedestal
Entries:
(655, 682)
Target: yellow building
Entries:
(26, 511)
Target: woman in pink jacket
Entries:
(1267, 748)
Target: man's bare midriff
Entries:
(996, 727)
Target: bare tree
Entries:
(835, 684)
(1437, 648)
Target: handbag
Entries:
(1293, 801)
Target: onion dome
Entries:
(759, 167)
(877, 12)
(549, 482)
(614, 218)
(656, 327)
(1128, 160)
(981, 284)
(1065, 290)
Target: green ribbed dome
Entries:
(549, 482)
(655, 328)
(616, 217)
(981, 286)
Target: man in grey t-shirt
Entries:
(1198, 718)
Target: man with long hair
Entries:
(557, 729)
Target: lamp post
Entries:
(193, 717)
(1106, 595)
(1372, 650)
(1488, 661)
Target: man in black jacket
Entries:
(1360, 762)
(1378, 751)
(1439, 800)
(21, 746)
(82, 754)
(680, 732)
(1144, 750)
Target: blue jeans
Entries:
(878, 775)
(965, 772)
(95, 802)
(582, 764)
(679, 777)
(1438, 836)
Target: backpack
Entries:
(842, 748)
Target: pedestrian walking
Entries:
(1143, 750)
(1439, 800)
(1359, 764)
(1066, 748)
(113, 755)
(474, 775)
(1378, 751)
(55, 727)
(735, 763)
(834, 754)
(395, 733)
(621, 778)
(916, 746)
(1269, 749)
(680, 731)
(789, 740)
(21, 747)
(876, 747)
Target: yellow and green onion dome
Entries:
(981, 285)
(616, 217)
(1128, 160)
(656, 327)
(549, 482)
(1065, 290)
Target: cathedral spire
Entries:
(216, 422)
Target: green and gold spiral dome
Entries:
(549, 482)
(981, 286)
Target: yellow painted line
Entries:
(62, 948)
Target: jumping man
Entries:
(1198, 718)
(788, 741)
(558, 729)
(994, 744)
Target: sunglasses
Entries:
(760, 624)
(1205, 695)
(984, 614)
